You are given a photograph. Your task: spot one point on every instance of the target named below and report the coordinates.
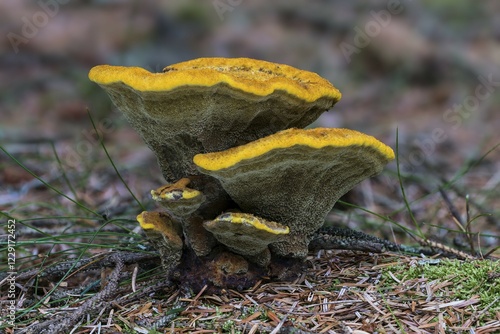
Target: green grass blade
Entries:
(112, 163)
(48, 185)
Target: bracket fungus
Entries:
(247, 235)
(295, 176)
(212, 104)
(182, 202)
(166, 236)
(178, 199)
(232, 130)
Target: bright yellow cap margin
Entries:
(256, 77)
(315, 138)
(150, 224)
(257, 223)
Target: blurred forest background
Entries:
(430, 69)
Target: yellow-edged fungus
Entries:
(247, 235)
(178, 199)
(315, 138)
(251, 76)
(212, 104)
(218, 122)
(295, 176)
(165, 235)
(182, 202)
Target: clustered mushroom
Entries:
(247, 235)
(295, 177)
(260, 185)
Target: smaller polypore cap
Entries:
(157, 224)
(244, 233)
(165, 235)
(178, 198)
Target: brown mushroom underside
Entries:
(186, 121)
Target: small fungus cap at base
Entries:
(183, 202)
(237, 223)
(161, 223)
(245, 233)
(165, 235)
(177, 198)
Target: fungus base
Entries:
(223, 269)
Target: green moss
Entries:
(228, 326)
(469, 278)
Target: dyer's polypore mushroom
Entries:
(212, 104)
(294, 177)
(182, 202)
(166, 236)
(213, 124)
(178, 199)
(247, 235)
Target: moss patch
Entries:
(468, 279)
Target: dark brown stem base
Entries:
(222, 269)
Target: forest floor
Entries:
(82, 264)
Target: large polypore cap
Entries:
(212, 104)
(294, 177)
